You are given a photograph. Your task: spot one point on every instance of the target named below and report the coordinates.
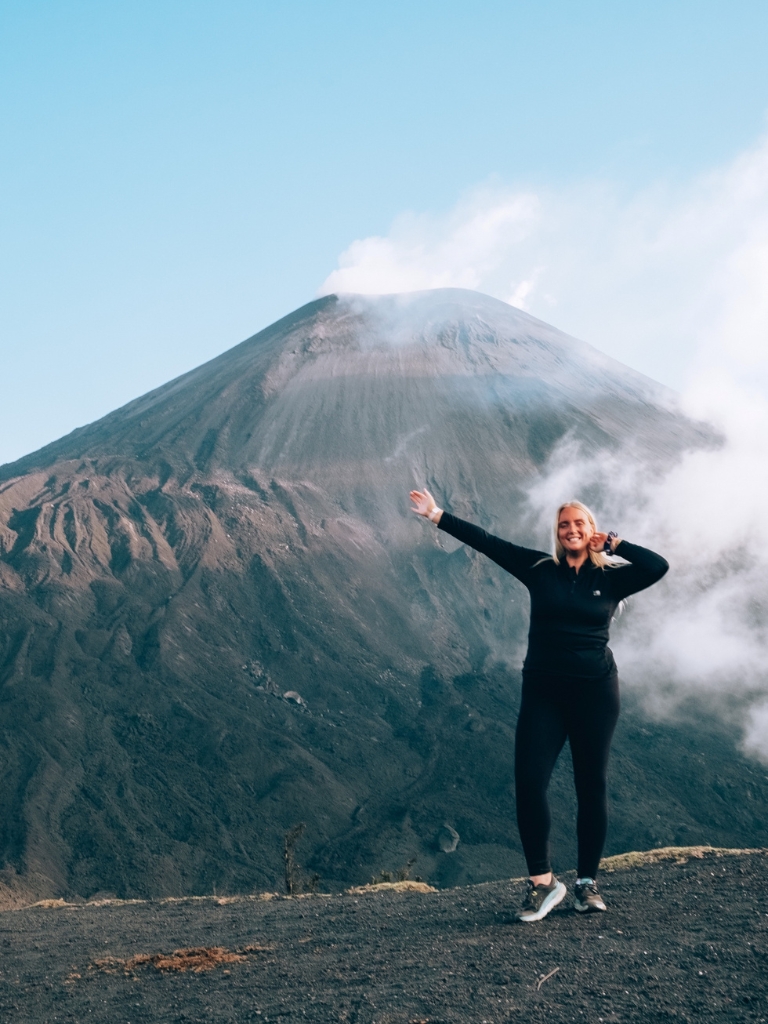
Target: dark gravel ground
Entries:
(680, 942)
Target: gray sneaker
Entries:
(540, 899)
(587, 897)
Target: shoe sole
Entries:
(556, 896)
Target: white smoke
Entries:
(661, 279)
(673, 281)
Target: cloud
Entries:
(703, 631)
(461, 250)
(667, 279)
(756, 730)
(674, 281)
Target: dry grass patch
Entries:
(220, 901)
(406, 885)
(679, 854)
(195, 958)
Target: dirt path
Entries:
(680, 942)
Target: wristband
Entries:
(607, 546)
(435, 512)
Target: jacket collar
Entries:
(569, 570)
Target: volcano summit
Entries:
(218, 618)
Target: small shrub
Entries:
(295, 880)
(401, 875)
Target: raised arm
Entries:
(511, 557)
(645, 569)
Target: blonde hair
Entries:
(598, 558)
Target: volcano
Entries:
(219, 620)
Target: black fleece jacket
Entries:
(570, 611)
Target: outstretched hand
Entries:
(423, 503)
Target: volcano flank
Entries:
(218, 618)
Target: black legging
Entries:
(585, 712)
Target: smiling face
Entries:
(574, 530)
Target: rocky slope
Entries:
(169, 573)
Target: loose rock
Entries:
(447, 838)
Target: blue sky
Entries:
(175, 176)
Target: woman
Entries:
(570, 682)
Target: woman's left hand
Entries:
(597, 541)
